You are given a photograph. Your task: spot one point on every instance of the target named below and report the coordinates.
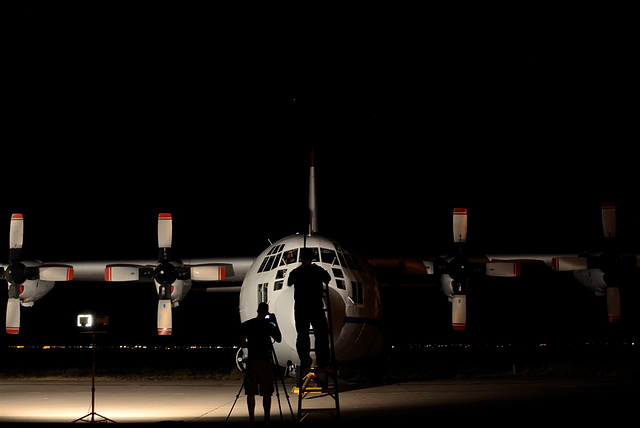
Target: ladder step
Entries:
(323, 410)
(315, 390)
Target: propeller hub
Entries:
(459, 268)
(609, 261)
(165, 273)
(16, 273)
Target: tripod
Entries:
(91, 416)
(276, 376)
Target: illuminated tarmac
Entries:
(502, 402)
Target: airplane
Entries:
(354, 290)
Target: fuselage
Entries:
(355, 298)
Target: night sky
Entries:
(530, 129)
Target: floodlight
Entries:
(85, 320)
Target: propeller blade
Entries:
(609, 219)
(563, 264)
(207, 273)
(503, 269)
(459, 225)
(164, 230)
(55, 273)
(13, 316)
(16, 233)
(118, 273)
(459, 312)
(164, 317)
(613, 304)
(429, 266)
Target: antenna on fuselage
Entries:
(313, 212)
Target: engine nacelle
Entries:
(179, 290)
(593, 279)
(447, 286)
(32, 290)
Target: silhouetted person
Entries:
(256, 337)
(308, 280)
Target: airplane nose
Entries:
(338, 313)
(282, 304)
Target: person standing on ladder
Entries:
(308, 280)
(256, 337)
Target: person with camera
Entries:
(256, 339)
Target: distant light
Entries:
(85, 320)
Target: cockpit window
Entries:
(352, 262)
(290, 256)
(315, 257)
(357, 293)
(271, 261)
(276, 249)
(328, 256)
(346, 260)
(276, 258)
(263, 264)
(343, 261)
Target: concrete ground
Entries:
(502, 402)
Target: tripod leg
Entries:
(275, 384)
(284, 388)
(276, 367)
(286, 394)
(235, 401)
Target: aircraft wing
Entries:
(29, 281)
(235, 268)
(550, 260)
(398, 271)
(603, 272)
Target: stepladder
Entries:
(318, 392)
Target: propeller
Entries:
(587, 261)
(165, 273)
(618, 269)
(14, 273)
(457, 270)
(606, 271)
(17, 273)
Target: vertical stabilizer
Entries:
(313, 212)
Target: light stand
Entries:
(86, 322)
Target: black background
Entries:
(109, 119)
